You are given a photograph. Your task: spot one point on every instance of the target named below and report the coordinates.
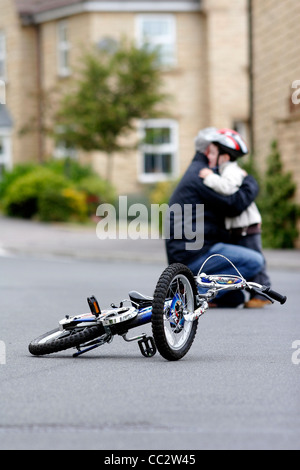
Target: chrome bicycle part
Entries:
(177, 330)
(118, 315)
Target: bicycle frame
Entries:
(120, 320)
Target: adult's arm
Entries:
(234, 205)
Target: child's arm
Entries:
(226, 185)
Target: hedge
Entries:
(59, 191)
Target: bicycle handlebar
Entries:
(217, 283)
(268, 293)
(275, 295)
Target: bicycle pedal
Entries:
(147, 346)
(94, 306)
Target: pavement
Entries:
(237, 389)
(18, 236)
(48, 270)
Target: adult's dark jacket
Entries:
(191, 190)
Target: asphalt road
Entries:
(236, 389)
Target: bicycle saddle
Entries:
(140, 299)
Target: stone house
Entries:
(276, 82)
(204, 59)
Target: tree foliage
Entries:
(279, 210)
(111, 93)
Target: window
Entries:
(5, 152)
(242, 128)
(63, 50)
(158, 32)
(2, 56)
(159, 151)
(62, 148)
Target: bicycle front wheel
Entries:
(175, 295)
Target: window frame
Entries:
(157, 41)
(168, 148)
(63, 49)
(61, 150)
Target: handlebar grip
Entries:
(275, 295)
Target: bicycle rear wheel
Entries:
(57, 340)
(175, 295)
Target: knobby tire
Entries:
(61, 344)
(160, 295)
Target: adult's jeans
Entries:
(247, 261)
(254, 243)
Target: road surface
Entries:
(236, 389)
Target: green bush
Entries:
(97, 192)
(9, 177)
(76, 200)
(162, 192)
(59, 190)
(277, 204)
(22, 196)
(53, 207)
(71, 169)
(67, 204)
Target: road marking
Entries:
(3, 252)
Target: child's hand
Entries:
(205, 172)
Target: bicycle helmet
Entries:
(230, 142)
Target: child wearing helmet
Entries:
(225, 148)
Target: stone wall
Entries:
(21, 81)
(276, 34)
